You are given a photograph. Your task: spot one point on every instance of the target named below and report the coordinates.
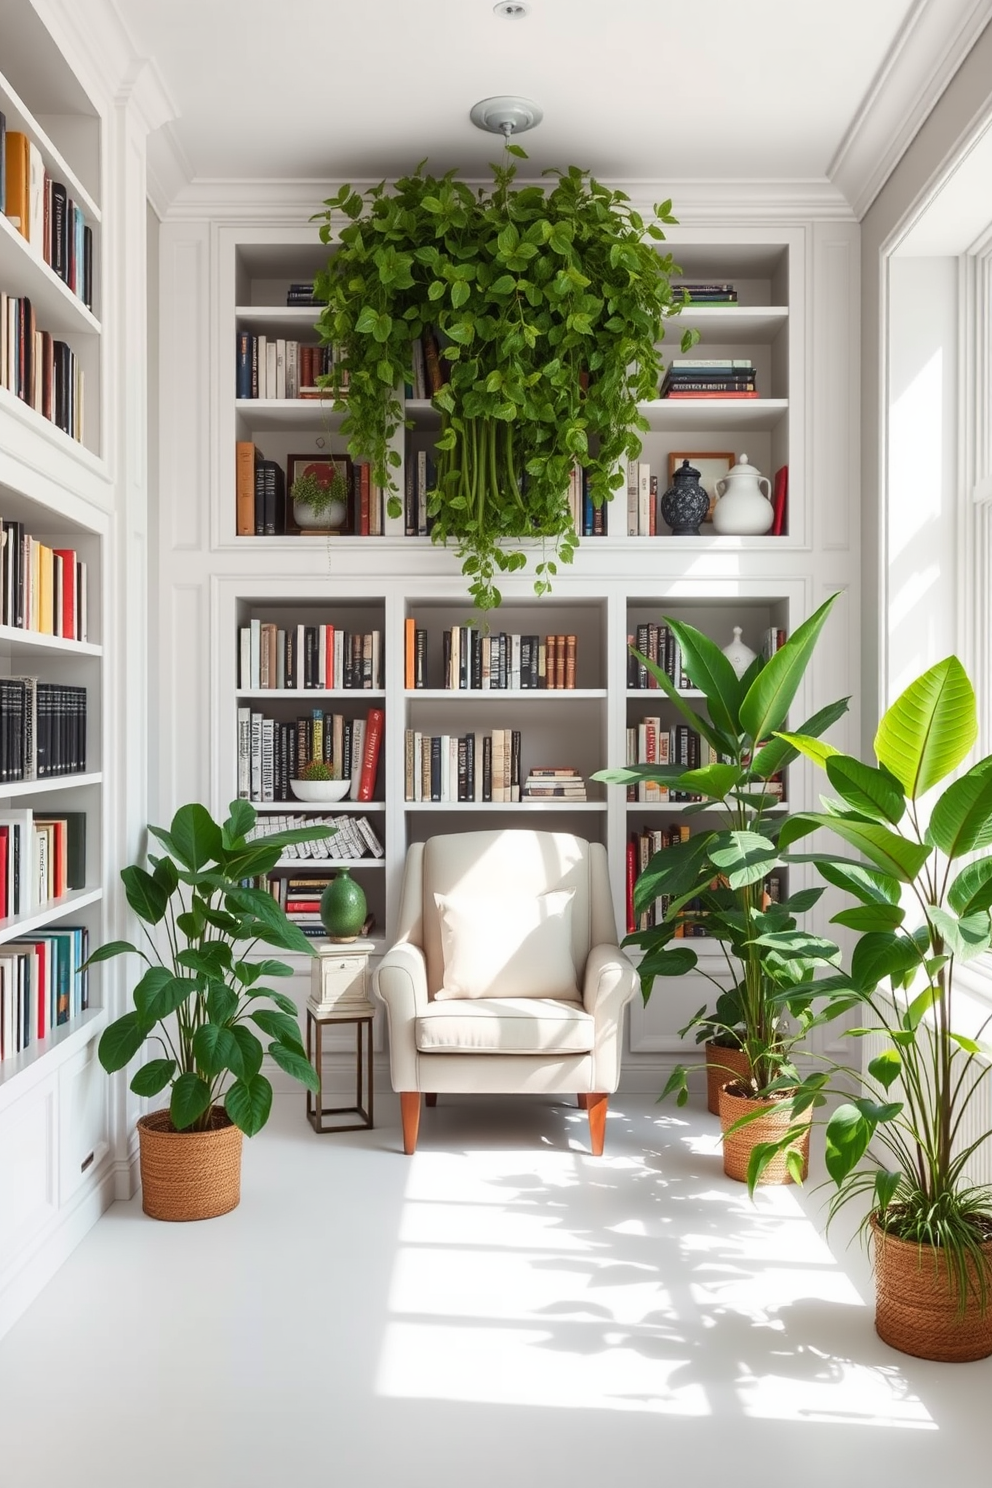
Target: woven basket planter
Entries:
(917, 1302)
(774, 1124)
(722, 1064)
(189, 1175)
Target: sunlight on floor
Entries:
(543, 1278)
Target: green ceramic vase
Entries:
(343, 907)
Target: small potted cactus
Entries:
(317, 782)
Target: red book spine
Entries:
(631, 880)
(779, 498)
(68, 557)
(329, 679)
(370, 757)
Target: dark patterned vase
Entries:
(685, 503)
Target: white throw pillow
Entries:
(507, 945)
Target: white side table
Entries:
(340, 994)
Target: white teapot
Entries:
(742, 508)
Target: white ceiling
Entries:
(655, 91)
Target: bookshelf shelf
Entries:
(320, 808)
(47, 914)
(35, 643)
(11, 788)
(528, 807)
(504, 694)
(23, 272)
(41, 1059)
(268, 415)
(731, 325)
(339, 694)
(730, 415)
(311, 865)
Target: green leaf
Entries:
(961, 820)
(212, 961)
(886, 1186)
(248, 1103)
(966, 938)
(264, 910)
(159, 993)
(190, 1098)
(120, 1042)
(196, 837)
(744, 857)
(874, 793)
(929, 729)
(696, 721)
(847, 1136)
(777, 753)
(153, 1076)
(870, 917)
(112, 948)
(673, 870)
(715, 781)
(866, 884)
(878, 955)
(282, 1026)
(770, 695)
(292, 1059)
(147, 898)
(895, 855)
(664, 963)
(251, 1050)
(241, 818)
(886, 1067)
(711, 672)
(972, 889)
(222, 1002)
(818, 750)
(215, 1049)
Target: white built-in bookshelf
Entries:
(617, 581)
(56, 496)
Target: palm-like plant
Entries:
(716, 877)
(922, 908)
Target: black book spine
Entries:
(243, 364)
(435, 767)
(487, 767)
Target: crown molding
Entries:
(697, 202)
(934, 40)
(100, 50)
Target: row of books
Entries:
(650, 742)
(354, 836)
(276, 367)
(710, 377)
(553, 783)
(642, 500)
(41, 588)
(429, 370)
(273, 752)
(308, 656)
(588, 520)
(706, 292)
(39, 369)
(42, 729)
(658, 644)
(42, 985)
(42, 857)
(466, 767)
(300, 898)
(499, 661)
(641, 848)
(263, 508)
(44, 213)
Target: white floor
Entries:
(500, 1310)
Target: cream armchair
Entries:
(506, 976)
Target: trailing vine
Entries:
(548, 308)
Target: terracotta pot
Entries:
(774, 1124)
(189, 1175)
(917, 1302)
(722, 1064)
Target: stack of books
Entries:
(302, 294)
(554, 783)
(710, 377)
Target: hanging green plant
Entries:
(548, 309)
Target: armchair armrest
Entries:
(609, 983)
(401, 982)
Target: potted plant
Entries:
(203, 999)
(918, 1118)
(715, 879)
(318, 781)
(548, 308)
(320, 500)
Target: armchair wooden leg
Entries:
(431, 1097)
(583, 1101)
(596, 1106)
(410, 1116)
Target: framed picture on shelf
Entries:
(324, 506)
(711, 464)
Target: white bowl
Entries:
(320, 790)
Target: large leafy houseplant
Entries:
(922, 892)
(715, 878)
(549, 307)
(202, 997)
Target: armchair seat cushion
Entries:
(505, 1025)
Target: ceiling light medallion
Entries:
(506, 115)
